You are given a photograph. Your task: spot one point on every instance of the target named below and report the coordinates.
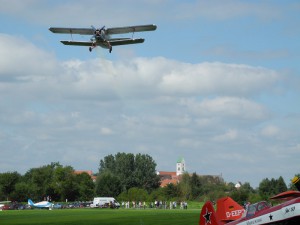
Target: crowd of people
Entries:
(156, 204)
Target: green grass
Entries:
(101, 216)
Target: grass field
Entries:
(101, 216)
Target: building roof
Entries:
(164, 173)
(89, 172)
(168, 181)
(180, 160)
(168, 178)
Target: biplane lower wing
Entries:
(78, 43)
(112, 42)
(126, 41)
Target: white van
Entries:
(105, 202)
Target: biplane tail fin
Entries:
(30, 202)
(228, 210)
(208, 215)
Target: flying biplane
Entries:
(102, 37)
(230, 213)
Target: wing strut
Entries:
(133, 32)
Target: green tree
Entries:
(280, 186)
(137, 194)
(132, 171)
(39, 181)
(8, 181)
(64, 183)
(157, 194)
(269, 187)
(196, 186)
(86, 187)
(171, 191)
(124, 168)
(145, 172)
(108, 184)
(185, 187)
(22, 191)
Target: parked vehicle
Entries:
(105, 202)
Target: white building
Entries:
(180, 166)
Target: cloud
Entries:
(270, 131)
(103, 12)
(23, 61)
(229, 135)
(70, 110)
(106, 131)
(227, 107)
(214, 10)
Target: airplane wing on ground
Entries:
(66, 30)
(287, 195)
(130, 29)
(78, 43)
(125, 41)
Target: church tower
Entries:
(180, 166)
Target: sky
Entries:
(217, 83)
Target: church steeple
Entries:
(180, 166)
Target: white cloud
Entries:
(22, 61)
(77, 108)
(230, 135)
(103, 12)
(270, 131)
(106, 131)
(217, 78)
(227, 107)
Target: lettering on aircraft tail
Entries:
(234, 213)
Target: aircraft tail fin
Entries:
(30, 202)
(228, 210)
(208, 215)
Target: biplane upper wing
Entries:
(130, 29)
(66, 30)
(78, 43)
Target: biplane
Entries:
(231, 213)
(103, 36)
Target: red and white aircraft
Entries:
(231, 213)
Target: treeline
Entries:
(51, 181)
(127, 177)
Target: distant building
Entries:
(89, 172)
(180, 166)
(174, 176)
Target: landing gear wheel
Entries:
(110, 49)
(90, 49)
